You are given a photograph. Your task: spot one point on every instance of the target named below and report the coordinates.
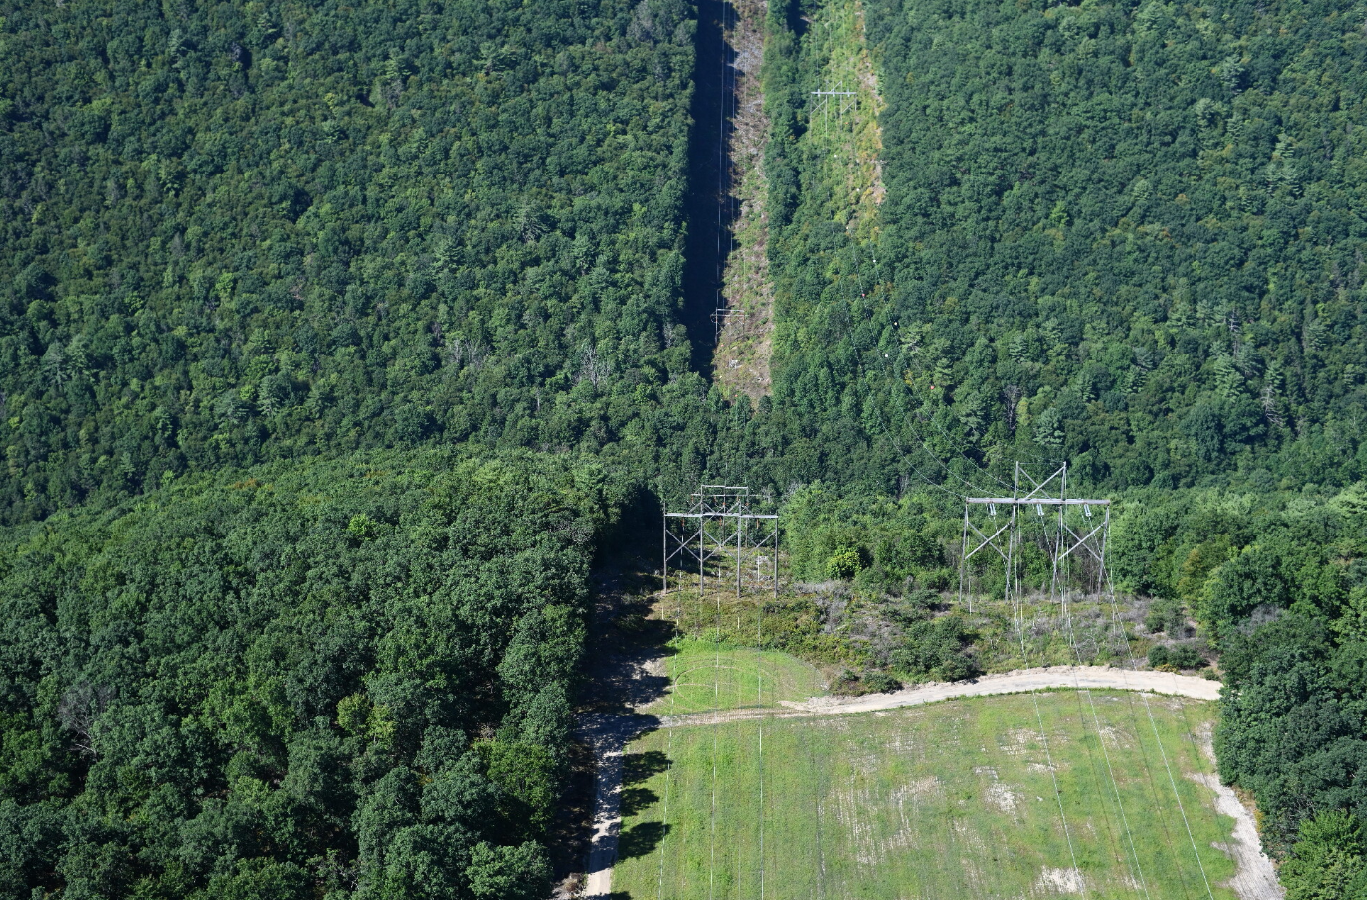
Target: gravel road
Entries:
(1100, 677)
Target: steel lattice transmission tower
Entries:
(1070, 529)
(718, 522)
(845, 101)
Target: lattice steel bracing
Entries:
(835, 97)
(719, 499)
(723, 316)
(1073, 530)
(720, 538)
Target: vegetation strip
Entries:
(336, 339)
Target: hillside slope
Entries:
(241, 233)
(1123, 235)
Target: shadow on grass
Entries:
(641, 839)
(636, 799)
(638, 767)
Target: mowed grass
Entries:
(948, 800)
(705, 676)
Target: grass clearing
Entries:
(705, 676)
(954, 799)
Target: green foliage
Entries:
(234, 235)
(240, 233)
(1121, 235)
(361, 528)
(1326, 862)
(1273, 581)
(1167, 615)
(1291, 722)
(1182, 656)
(526, 777)
(257, 879)
(509, 873)
(277, 685)
(1241, 585)
(935, 647)
(1228, 556)
(844, 563)
(881, 683)
(799, 626)
(893, 544)
(854, 684)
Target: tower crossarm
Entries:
(1033, 501)
(717, 515)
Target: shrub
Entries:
(844, 564)
(936, 647)
(847, 684)
(880, 683)
(851, 684)
(1169, 616)
(1185, 656)
(1182, 656)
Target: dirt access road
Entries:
(1020, 681)
(1255, 878)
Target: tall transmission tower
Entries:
(723, 316)
(1070, 527)
(719, 522)
(843, 102)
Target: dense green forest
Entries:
(319, 245)
(244, 232)
(1278, 585)
(1125, 235)
(350, 677)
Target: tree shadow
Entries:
(636, 799)
(641, 839)
(711, 207)
(638, 767)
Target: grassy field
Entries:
(706, 676)
(950, 800)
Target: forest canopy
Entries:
(1119, 235)
(343, 676)
(319, 245)
(1127, 235)
(235, 233)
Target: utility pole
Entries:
(723, 316)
